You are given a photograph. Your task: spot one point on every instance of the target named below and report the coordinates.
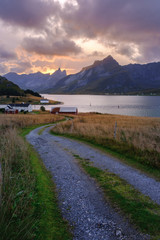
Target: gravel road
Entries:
(81, 201)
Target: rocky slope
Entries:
(36, 81)
(103, 77)
(108, 77)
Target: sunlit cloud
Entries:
(43, 35)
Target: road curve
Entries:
(81, 201)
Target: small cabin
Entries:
(19, 107)
(64, 110)
(55, 110)
(44, 101)
(11, 111)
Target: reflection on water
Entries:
(124, 105)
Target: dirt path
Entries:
(81, 201)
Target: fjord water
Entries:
(148, 106)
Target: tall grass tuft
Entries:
(19, 219)
(16, 210)
(135, 136)
(20, 121)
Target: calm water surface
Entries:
(125, 105)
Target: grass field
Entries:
(136, 139)
(21, 120)
(29, 208)
(26, 212)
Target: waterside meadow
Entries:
(137, 138)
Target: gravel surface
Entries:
(140, 181)
(81, 201)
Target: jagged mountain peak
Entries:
(36, 81)
(59, 71)
(37, 73)
(109, 62)
(105, 76)
(109, 59)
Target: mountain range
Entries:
(103, 77)
(36, 81)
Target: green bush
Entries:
(42, 108)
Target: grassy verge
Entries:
(128, 154)
(135, 140)
(50, 224)
(141, 211)
(25, 130)
(17, 218)
(29, 208)
(42, 129)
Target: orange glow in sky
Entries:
(43, 35)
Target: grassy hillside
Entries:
(9, 88)
(11, 93)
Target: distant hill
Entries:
(147, 92)
(36, 81)
(9, 88)
(108, 77)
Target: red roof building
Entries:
(64, 110)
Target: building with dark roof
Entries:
(20, 107)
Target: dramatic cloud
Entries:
(4, 54)
(112, 17)
(30, 13)
(122, 21)
(82, 30)
(21, 67)
(71, 64)
(51, 46)
(128, 50)
(96, 54)
(3, 69)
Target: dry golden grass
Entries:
(142, 132)
(136, 137)
(21, 120)
(17, 189)
(18, 219)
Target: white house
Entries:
(20, 107)
(44, 101)
(3, 106)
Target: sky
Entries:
(43, 35)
